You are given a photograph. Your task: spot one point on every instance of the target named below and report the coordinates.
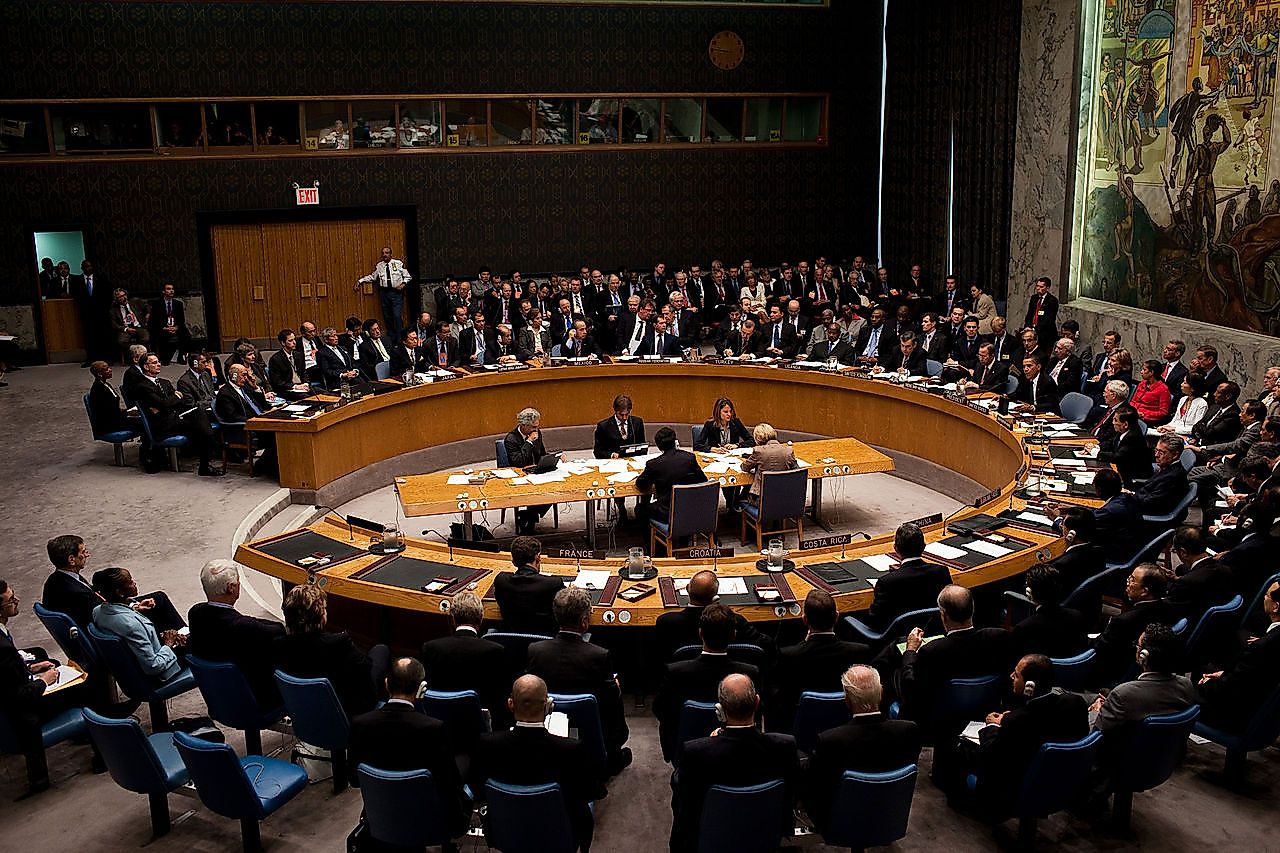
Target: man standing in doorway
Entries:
(390, 276)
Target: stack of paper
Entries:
(505, 473)
(880, 562)
(623, 477)
(592, 579)
(459, 479)
(1036, 518)
(982, 546)
(555, 476)
(612, 466)
(943, 552)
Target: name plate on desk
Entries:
(704, 553)
(829, 541)
(989, 496)
(579, 553)
(925, 521)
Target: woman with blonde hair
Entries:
(769, 455)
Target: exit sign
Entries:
(308, 195)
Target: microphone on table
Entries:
(445, 539)
(351, 536)
(861, 533)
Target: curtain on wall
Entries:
(952, 68)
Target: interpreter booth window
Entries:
(804, 120)
(466, 123)
(373, 124)
(512, 121)
(420, 124)
(640, 118)
(229, 125)
(328, 126)
(598, 121)
(276, 124)
(554, 119)
(101, 128)
(764, 120)
(682, 120)
(22, 130)
(724, 120)
(178, 128)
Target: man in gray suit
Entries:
(1156, 690)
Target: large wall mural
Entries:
(1177, 205)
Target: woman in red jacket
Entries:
(1151, 396)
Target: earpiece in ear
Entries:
(1143, 656)
(720, 712)
(1071, 536)
(422, 690)
(1029, 689)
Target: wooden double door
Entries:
(272, 276)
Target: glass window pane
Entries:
(101, 127)
(420, 124)
(683, 120)
(465, 122)
(327, 126)
(227, 125)
(178, 126)
(640, 119)
(598, 121)
(22, 130)
(764, 120)
(373, 124)
(277, 123)
(724, 119)
(804, 119)
(555, 121)
(512, 121)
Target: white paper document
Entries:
(733, 586)
(612, 466)
(1085, 478)
(459, 480)
(555, 476)
(1068, 463)
(970, 732)
(722, 466)
(990, 548)
(1036, 518)
(295, 407)
(944, 552)
(880, 562)
(558, 723)
(592, 578)
(623, 477)
(506, 473)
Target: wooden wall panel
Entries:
(238, 270)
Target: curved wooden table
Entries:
(931, 427)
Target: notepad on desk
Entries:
(943, 552)
(296, 407)
(971, 731)
(1036, 518)
(592, 578)
(880, 562)
(902, 647)
(982, 546)
(505, 473)
(623, 477)
(68, 676)
(458, 480)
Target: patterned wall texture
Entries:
(539, 211)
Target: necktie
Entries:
(388, 269)
(577, 304)
(831, 347)
(999, 341)
(1167, 368)
(88, 284)
(479, 347)
(168, 310)
(377, 342)
(252, 405)
(873, 343)
(777, 336)
(622, 428)
(66, 286)
(821, 293)
(675, 325)
(443, 358)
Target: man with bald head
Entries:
(528, 754)
(680, 628)
(737, 754)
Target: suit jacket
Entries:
(1220, 424)
(673, 467)
(162, 404)
(1079, 563)
(841, 352)
(915, 363)
(157, 317)
(627, 330)
(938, 347)
(1058, 632)
(1008, 749)
(221, 633)
(333, 364)
(1115, 522)
(669, 345)
(580, 349)
(399, 737)
(1214, 378)
(965, 351)
(913, 585)
(1069, 377)
(1043, 319)
(430, 350)
(608, 437)
(710, 435)
(1238, 445)
(370, 357)
(521, 453)
(467, 347)
(788, 341)
(1116, 644)
(321, 654)
(105, 403)
(465, 661)
(869, 743)
(1130, 454)
(19, 693)
(1251, 562)
(65, 593)
(534, 756)
(569, 664)
(1231, 701)
(948, 299)
(679, 628)
(157, 660)
(524, 599)
(816, 663)
(1204, 585)
(696, 680)
(991, 377)
(773, 456)
(738, 756)
(1149, 694)
(735, 345)
(1046, 396)
(1163, 490)
(530, 341)
(687, 324)
(281, 367)
(960, 654)
(887, 343)
(231, 408)
(403, 359)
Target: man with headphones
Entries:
(1232, 698)
(1051, 630)
(1146, 589)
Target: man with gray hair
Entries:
(466, 661)
(1114, 395)
(868, 743)
(334, 361)
(1168, 485)
(737, 753)
(1066, 368)
(221, 633)
(525, 448)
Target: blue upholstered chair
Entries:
(694, 511)
(231, 700)
(318, 719)
(815, 714)
(527, 819)
(135, 683)
(782, 497)
(748, 819)
(141, 763)
(116, 438)
(871, 809)
(1153, 749)
(403, 808)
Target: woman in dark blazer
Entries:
(722, 432)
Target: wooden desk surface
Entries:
(431, 494)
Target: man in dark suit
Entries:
(569, 664)
(466, 661)
(1253, 559)
(287, 367)
(1174, 371)
(745, 342)
(104, 401)
(658, 341)
(908, 359)
(398, 737)
(221, 633)
(950, 298)
(1147, 590)
(1065, 369)
(1206, 361)
(698, 680)
(170, 413)
(933, 341)
(1084, 557)
(1117, 518)
(93, 296)
(1221, 421)
(237, 402)
(736, 754)
(614, 433)
(875, 341)
(408, 355)
(477, 345)
(167, 325)
(673, 467)
(525, 450)
(634, 328)
(1200, 581)
(988, 374)
(441, 350)
(1042, 312)
(967, 347)
(66, 590)
(335, 362)
(815, 664)
(868, 743)
(679, 628)
(525, 595)
(1051, 630)
(373, 349)
(684, 324)
(1036, 391)
(913, 585)
(1168, 485)
(1128, 450)
(580, 344)
(1012, 739)
(780, 339)
(832, 346)
(1231, 698)
(528, 754)
(1220, 462)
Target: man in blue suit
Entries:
(1168, 485)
